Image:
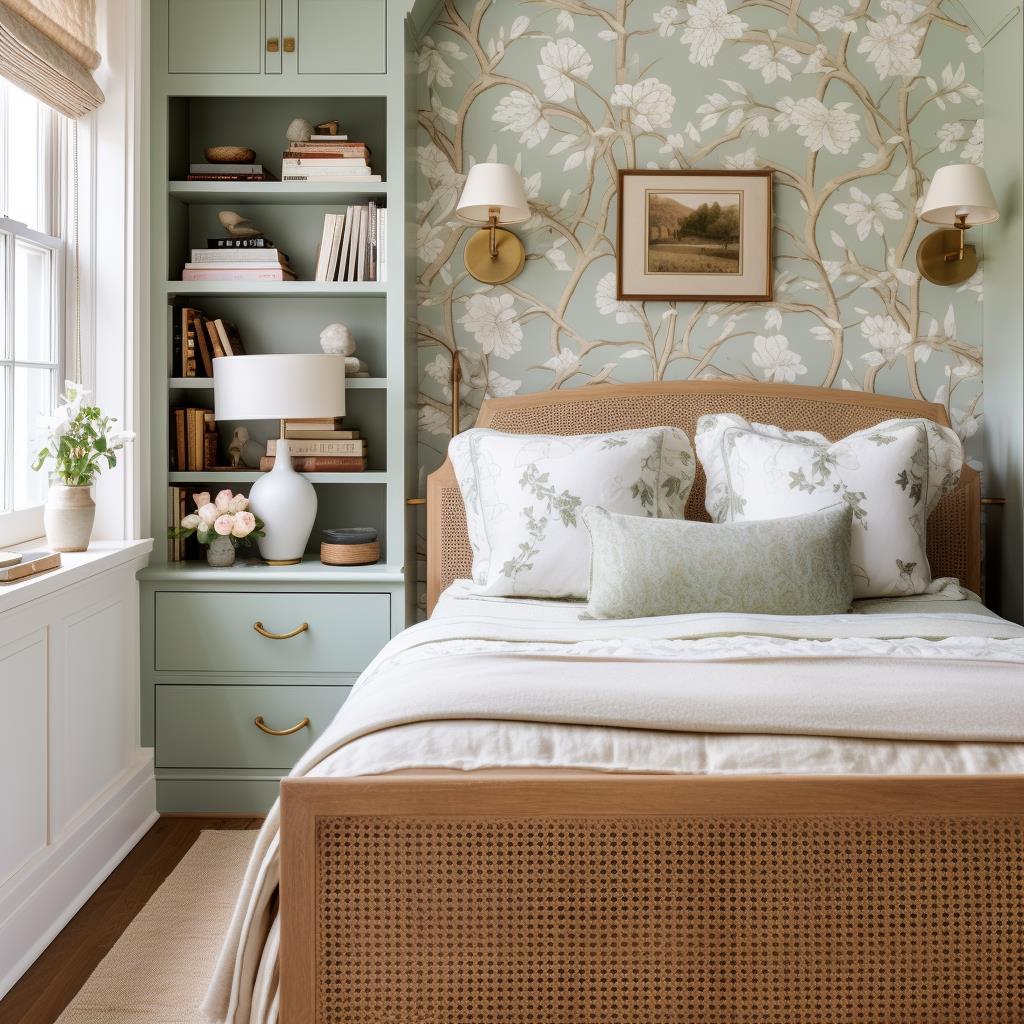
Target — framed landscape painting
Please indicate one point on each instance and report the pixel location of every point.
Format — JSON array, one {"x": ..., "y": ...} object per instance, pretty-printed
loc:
[{"x": 695, "y": 235}]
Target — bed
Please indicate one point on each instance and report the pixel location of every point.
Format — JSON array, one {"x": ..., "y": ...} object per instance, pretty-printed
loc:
[{"x": 526, "y": 818}]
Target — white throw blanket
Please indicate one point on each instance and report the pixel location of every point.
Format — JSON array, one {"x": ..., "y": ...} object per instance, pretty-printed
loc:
[{"x": 922, "y": 677}]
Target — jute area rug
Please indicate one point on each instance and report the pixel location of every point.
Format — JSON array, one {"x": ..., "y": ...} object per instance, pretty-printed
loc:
[{"x": 158, "y": 970}]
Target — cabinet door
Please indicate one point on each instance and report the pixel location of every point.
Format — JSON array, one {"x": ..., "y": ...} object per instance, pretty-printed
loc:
[
  {"x": 340, "y": 37},
  {"x": 215, "y": 37}
]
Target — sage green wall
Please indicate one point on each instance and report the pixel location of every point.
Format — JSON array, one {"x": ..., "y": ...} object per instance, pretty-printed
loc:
[
  {"x": 1002, "y": 29},
  {"x": 853, "y": 105}
]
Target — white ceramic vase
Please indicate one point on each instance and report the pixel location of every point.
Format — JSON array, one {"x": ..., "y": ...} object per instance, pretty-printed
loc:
[
  {"x": 220, "y": 552},
  {"x": 68, "y": 517},
  {"x": 286, "y": 502}
]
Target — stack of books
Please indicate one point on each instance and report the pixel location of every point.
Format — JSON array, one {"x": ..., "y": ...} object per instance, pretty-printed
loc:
[
  {"x": 320, "y": 446},
  {"x": 237, "y": 263},
  {"x": 179, "y": 505},
  {"x": 228, "y": 172},
  {"x": 327, "y": 158},
  {"x": 197, "y": 340},
  {"x": 352, "y": 246},
  {"x": 194, "y": 443}
]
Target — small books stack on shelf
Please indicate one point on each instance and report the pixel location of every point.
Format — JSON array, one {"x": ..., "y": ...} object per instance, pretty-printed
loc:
[
  {"x": 197, "y": 340},
  {"x": 320, "y": 446},
  {"x": 227, "y": 172},
  {"x": 352, "y": 246},
  {"x": 179, "y": 505},
  {"x": 194, "y": 442},
  {"x": 237, "y": 263},
  {"x": 327, "y": 158}
]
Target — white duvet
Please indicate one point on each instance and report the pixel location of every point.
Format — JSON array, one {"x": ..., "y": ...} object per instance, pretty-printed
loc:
[{"x": 929, "y": 686}]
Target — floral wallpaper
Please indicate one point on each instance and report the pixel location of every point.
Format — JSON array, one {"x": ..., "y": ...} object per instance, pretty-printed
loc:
[{"x": 853, "y": 105}]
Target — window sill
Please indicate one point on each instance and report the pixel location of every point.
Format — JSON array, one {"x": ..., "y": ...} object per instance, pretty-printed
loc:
[{"x": 75, "y": 567}]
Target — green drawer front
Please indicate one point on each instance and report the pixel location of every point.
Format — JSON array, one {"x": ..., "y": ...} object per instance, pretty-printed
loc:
[
  {"x": 214, "y": 726},
  {"x": 214, "y": 632}
]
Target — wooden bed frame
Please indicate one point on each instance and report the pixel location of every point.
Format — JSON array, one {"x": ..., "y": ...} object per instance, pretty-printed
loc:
[{"x": 567, "y": 897}]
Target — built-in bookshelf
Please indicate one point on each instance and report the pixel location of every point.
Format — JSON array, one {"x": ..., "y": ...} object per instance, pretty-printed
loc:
[{"x": 192, "y": 111}]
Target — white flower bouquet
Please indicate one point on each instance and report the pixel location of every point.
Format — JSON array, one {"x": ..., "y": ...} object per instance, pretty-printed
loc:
[{"x": 227, "y": 515}]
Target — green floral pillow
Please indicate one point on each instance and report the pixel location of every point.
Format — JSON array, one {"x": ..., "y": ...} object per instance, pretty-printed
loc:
[
  {"x": 890, "y": 476},
  {"x": 794, "y": 566},
  {"x": 524, "y": 493}
]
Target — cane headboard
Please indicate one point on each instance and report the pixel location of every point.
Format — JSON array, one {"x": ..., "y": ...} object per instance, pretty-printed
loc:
[{"x": 954, "y": 528}]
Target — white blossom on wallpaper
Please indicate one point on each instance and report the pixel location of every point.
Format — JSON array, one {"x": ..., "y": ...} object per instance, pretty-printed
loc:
[{"x": 852, "y": 104}]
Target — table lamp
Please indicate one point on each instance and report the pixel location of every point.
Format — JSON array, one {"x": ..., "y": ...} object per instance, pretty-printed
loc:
[
  {"x": 280, "y": 387},
  {"x": 960, "y": 197}
]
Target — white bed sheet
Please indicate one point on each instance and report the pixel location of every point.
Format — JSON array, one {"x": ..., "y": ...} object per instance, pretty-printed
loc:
[{"x": 473, "y": 745}]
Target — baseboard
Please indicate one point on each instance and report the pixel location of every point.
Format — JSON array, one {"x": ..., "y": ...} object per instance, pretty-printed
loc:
[
  {"x": 250, "y": 797},
  {"x": 42, "y": 898}
]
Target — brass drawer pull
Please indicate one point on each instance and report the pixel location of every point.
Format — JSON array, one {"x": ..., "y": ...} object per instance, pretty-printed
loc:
[
  {"x": 259, "y": 722},
  {"x": 289, "y": 44},
  {"x": 258, "y": 626},
  {"x": 272, "y": 45}
]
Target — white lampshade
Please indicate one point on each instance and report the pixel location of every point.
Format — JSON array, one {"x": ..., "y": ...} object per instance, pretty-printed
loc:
[
  {"x": 959, "y": 189},
  {"x": 279, "y": 387},
  {"x": 493, "y": 186}
]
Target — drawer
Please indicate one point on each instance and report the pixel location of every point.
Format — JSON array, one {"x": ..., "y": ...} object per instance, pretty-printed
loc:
[
  {"x": 215, "y": 632},
  {"x": 214, "y": 726}
]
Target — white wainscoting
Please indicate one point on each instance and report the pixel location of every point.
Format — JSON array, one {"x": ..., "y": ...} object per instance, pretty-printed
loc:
[{"x": 77, "y": 789}]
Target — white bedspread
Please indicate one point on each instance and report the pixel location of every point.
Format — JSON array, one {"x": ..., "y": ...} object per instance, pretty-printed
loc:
[{"x": 482, "y": 687}]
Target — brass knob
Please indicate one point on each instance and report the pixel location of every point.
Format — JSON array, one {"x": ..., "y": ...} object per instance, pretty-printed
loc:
[
  {"x": 289, "y": 44},
  {"x": 273, "y": 45}
]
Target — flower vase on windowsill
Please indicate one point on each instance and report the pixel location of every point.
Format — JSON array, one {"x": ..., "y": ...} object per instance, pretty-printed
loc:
[
  {"x": 220, "y": 525},
  {"x": 79, "y": 441}
]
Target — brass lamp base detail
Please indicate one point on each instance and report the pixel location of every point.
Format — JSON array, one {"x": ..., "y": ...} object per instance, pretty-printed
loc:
[
  {"x": 282, "y": 561},
  {"x": 509, "y": 260},
  {"x": 940, "y": 260}
]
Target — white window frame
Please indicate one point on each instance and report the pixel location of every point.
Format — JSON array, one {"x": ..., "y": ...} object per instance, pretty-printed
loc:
[{"x": 26, "y": 523}]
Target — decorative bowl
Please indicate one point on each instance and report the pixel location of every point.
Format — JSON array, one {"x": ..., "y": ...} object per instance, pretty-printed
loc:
[{"x": 229, "y": 155}]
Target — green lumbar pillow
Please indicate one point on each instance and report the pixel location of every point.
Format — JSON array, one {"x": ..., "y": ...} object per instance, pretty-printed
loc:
[{"x": 794, "y": 566}]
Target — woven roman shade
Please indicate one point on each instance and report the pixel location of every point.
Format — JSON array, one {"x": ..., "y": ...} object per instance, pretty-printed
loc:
[{"x": 48, "y": 49}]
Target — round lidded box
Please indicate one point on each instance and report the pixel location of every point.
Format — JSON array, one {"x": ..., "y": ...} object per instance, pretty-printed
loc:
[{"x": 353, "y": 545}]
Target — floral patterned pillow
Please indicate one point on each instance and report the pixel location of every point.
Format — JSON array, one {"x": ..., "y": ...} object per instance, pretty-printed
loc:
[
  {"x": 524, "y": 495},
  {"x": 891, "y": 476}
]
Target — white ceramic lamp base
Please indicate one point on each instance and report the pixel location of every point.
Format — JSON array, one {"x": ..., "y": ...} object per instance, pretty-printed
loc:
[{"x": 286, "y": 502}]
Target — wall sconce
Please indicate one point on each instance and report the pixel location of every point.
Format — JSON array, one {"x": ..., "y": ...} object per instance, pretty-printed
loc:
[
  {"x": 493, "y": 195},
  {"x": 961, "y": 196}
]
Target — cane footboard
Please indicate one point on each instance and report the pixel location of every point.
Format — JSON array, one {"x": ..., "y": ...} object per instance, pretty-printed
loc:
[{"x": 570, "y": 898}]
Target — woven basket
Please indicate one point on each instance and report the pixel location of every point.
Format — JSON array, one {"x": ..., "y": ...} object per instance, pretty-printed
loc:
[{"x": 355, "y": 546}]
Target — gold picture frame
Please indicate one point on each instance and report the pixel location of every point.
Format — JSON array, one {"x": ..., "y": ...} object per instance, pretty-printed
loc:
[{"x": 694, "y": 236}]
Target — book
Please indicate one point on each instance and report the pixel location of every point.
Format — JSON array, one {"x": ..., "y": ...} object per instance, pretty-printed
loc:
[
  {"x": 240, "y": 274},
  {"x": 246, "y": 256},
  {"x": 336, "y": 235},
  {"x": 225, "y": 168},
  {"x": 300, "y": 434},
  {"x": 302, "y": 448},
  {"x": 227, "y": 177},
  {"x": 203, "y": 343},
  {"x": 239, "y": 243},
  {"x": 328, "y": 138},
  {"x": 316, "y": 423},
  {"x": 357, "y": 149},
  {"x": 320, "y": 463},
  {"x": 364, "y": 221},
  {"x": 31, "y": 564},
  {"x": 337, "y": 160},
  {"x": 230, "y": 339},
  {"x": 323, "y": 254},
  {"x": 240, "y": 265}
]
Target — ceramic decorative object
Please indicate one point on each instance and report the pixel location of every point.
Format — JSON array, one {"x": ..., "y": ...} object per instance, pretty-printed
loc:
[
  {"x": 220, "y": 552},
  {"x": 337, "y": 340},
  {"x": 300, "y": 130},
  {"x": 230, "y": 155},
  {"x": 68, "y": 516},
  {"x": 244, "y": 451},
  {"x": 327, "y": 128},
  {"x": 238, "y": 226},
  {"x": 286, "y": 500}
]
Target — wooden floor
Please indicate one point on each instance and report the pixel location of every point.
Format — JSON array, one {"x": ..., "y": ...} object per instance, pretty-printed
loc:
[{"x": 51, "y": 982}]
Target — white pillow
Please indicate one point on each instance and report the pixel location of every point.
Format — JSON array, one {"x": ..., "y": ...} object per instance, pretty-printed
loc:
[
  {"x": 891, "y": 476},
  {"x": 524, "y": 494}
]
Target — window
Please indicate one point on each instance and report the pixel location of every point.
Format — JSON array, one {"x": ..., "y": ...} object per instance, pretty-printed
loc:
[{"x": 31, "y": 300}]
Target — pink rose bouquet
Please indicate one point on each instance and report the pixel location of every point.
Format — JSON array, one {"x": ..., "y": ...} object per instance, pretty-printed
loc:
[{"x": 226, "y": 515}]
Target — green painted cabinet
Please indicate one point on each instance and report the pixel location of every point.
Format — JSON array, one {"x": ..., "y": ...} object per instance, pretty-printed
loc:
[
  {"x": 216, "y": 36},
  {"x": 276, "y": 37}
]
